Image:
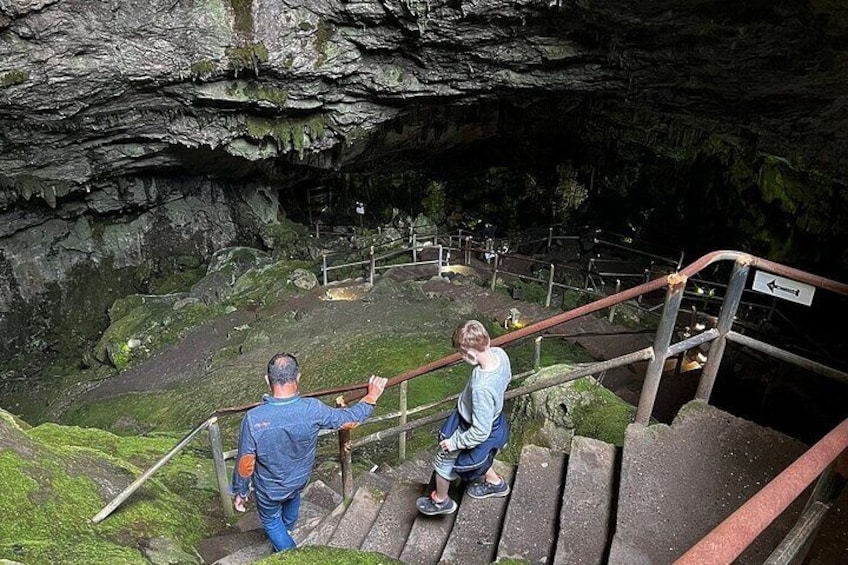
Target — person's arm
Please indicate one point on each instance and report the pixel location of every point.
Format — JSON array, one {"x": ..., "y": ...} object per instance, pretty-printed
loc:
[
  {"x": 482, "y": 418},
  {"x": 245, "y": 463},
  {"x": 335, "y": 418}
]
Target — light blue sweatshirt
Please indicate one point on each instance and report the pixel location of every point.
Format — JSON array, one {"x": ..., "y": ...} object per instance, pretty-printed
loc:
[{"x": 482, "y": 401}]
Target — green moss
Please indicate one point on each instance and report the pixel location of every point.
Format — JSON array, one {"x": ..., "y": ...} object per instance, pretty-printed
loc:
[
  {"x": 178, "y": 281},
  {"x": 289, "y": 134},
  {"x": 435, "y": 203},
  {"x": 266, "y": 284},
  {"x": 13, "y": 77},
  {"x": 243, "y": 17},
  {"x": 323, "y": 33},
  {"x": 604, "y": 417},
  {"x": 323, "y": 555},
  {"x": 193, "y": 463},
  {"x": 246, "y": 58},
  {"x": 778, "y": 184},
  {"x": 203, "y": 69},
  {"x": 276, "y": 96},
  {"x": 48, "y": 498},
  {"x": 154, "y": 323}
]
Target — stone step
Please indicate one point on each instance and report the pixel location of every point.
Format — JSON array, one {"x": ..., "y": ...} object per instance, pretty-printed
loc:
[
  {"x": 475, "y": 534},
  {"x": 428, "y": 536},
  {"x": 319, "y": 493},
  {"x": 679, "y": 482},
  {"x": 529, "y": 530},
  {"x": 310, "y": 516},
  {"x": 255, "y": 545},
  {"x": 248, "y": 554},
  {"x": 358, "y": 518},
  {"x": 587, "y": 503},
  {"x": 416, "y": 470},
  {"x": 214, "y": 548},
  {"x": 391, "y": 528},
  {"x": 324, "y": 531},
  {"x": 380, "y": 482}
]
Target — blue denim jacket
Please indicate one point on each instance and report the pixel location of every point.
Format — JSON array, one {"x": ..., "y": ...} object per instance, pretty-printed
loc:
[{"x": 277, "y": 443}]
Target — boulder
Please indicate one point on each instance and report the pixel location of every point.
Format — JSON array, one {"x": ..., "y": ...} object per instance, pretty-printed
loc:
[{"x": 303, "y": 279}]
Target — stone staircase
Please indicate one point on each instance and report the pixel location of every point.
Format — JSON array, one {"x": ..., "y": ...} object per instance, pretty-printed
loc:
[{"x": 647, "y": 503}]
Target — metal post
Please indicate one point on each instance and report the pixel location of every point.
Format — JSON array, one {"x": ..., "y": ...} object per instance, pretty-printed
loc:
[
  {"x": 411, "y": 233},
  {"x": 414, "y": 248},
  {"x": 345, "y": 457},
  {"x": 324, "y": 267},
  {"x": 495, "y": 272},
  {"x": 404, "y": 390},
  {"x": 647, "y": 278},
  {"x": 614, "y": 306},
  {"x": 346, "y": 460},
  {"x": 440, "y": 259},
  {"x": 653, "y": 374},
  {"x": 220, "y": 466},
  {"x": 550, "y": 237},
  {"x": 317, "y": 230},
  {"x": 725, "y": 322},
  {"x": 550, "y": 286},
  {"x": 589, "y": 272},
  {"x": 537, "y": 353},
  {"x": 373, "y": 267},
  {"x": 468, "y": 250}
]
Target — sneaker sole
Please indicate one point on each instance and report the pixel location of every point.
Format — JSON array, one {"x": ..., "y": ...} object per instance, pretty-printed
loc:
[{"x": 490, "y": 495}]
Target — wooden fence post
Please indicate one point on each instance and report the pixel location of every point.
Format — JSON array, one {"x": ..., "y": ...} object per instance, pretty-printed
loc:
[{"x": 550, "y": 287}]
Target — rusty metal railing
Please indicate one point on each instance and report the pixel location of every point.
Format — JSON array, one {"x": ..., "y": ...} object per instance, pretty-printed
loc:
[
  {"x": 730, "y": 538},
  {"x": 661, "y": 350}
]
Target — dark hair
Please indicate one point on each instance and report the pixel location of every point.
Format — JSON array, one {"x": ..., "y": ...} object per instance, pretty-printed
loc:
[{"x": 282, "y": 368}]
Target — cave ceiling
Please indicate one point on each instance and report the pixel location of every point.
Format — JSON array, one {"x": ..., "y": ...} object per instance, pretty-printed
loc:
[{"x": 95, "y": 91}]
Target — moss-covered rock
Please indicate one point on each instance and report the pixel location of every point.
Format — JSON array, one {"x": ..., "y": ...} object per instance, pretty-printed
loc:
[
  {"x": 56, "y": 479},
  {"x": 582, "y": 407},
  {"x": 323, "y": 555},
  {"x": 13, "y": 77},
  {"x": 139, "y": 331}
]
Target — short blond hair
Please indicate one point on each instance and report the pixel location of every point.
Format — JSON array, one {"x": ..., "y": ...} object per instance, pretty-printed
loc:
[{"x": 471, "y": 335}]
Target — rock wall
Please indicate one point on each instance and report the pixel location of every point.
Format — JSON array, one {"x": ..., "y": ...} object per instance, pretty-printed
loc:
[{"x": 63, "y": 268}]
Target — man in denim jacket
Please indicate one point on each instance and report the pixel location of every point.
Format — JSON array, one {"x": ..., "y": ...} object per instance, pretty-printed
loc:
[{"x": 277, "y": 446}]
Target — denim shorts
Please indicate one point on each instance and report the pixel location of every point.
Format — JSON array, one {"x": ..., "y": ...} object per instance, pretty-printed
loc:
[{"x": 444, "y": 462}]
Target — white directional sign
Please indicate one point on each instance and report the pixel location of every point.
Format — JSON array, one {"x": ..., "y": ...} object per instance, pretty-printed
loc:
[{"x": 784, "y": 288}]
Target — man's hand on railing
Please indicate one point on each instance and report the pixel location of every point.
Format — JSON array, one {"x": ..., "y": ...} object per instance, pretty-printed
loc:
[{"x": 376, "y": 386}]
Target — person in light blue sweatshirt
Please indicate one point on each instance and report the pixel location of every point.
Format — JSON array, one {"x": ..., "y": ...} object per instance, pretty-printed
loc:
[
  {"x": 476, "y": 429},
  {"x": 277, "y": 445}
]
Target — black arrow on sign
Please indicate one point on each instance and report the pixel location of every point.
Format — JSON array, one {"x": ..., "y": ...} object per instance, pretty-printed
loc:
[{"x": 774, "y": 286}]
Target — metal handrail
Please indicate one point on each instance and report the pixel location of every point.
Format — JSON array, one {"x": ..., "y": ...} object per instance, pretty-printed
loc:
[
  {"x": 730, "y": 538},
  {"x": 659, "y": 352}
]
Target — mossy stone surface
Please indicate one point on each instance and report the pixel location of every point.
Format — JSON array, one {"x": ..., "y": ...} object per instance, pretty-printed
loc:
[
  {"x": 581, "y": 407},
  {"x": 324, "y": 555},
  {"x": 54, "y": 482}
]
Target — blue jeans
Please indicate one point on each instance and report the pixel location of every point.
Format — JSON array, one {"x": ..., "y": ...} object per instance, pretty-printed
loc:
[{"x": 278, "y": 518}]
